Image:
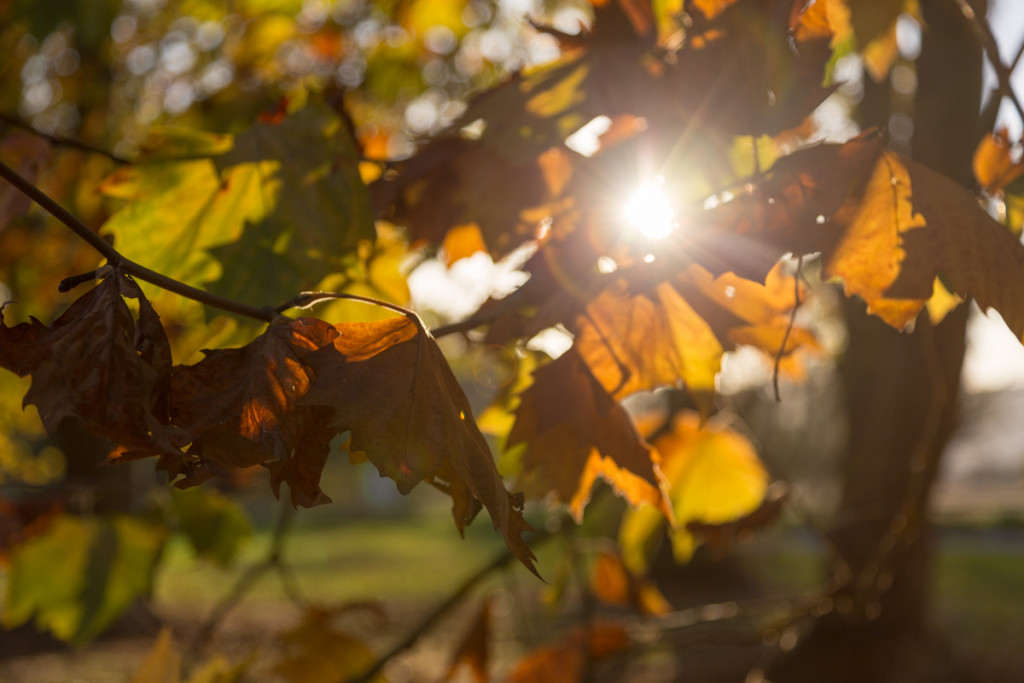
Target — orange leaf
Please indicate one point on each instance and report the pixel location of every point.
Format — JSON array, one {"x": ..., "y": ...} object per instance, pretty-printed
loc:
[
  {"x": 884, "y": 224},
  {"x": 993, "y": 166},
  {"x": 462, "y": 241},
  {"x": 574, "y": 432},
  {"x": 96, "y": 363},
  {"x": 637, "y": 343},
  {"x": 389, "y": 384}
]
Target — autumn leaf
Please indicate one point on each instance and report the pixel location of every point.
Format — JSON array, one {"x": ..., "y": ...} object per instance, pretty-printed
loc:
[
  {"x": 99, "y": 364},
  {"x": 614, "y": 584},
  {"x": 647, "y": 340},
  {"x": 994, "y": 167},
  {"x": 713, "y": 476},
  {"x": 390, "y": 386},
  {"x": 162, "y": 663},
  {"x": 239, "y": 408},
  {"x": 214, "y": 525},
  {"x": 575, "y": 432},
  {"x": 885, "y": 225}
]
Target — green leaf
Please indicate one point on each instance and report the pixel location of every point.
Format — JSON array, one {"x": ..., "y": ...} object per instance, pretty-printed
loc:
[
  {"x": 213, "y": 523},
  {"x": 316, "y": 207},
  {"x": 272, "y": 216},
  {"x": 82, "y": 574}
]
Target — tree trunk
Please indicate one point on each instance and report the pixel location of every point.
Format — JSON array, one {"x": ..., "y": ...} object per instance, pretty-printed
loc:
[{"x": 901, "y": 397}]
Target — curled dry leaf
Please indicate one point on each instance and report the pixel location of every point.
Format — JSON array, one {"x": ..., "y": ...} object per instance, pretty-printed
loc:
[
  {"x": 575, "y": 432},
  {"x": 239, "y": 408},
  {"x": 99, "y": 364}
]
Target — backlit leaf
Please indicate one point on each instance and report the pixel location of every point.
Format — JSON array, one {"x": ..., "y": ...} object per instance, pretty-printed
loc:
[
  {"x": 575, "y": 432},
  {"x": 214, "y": 524},
  {"x": 271, "y": 216},
  {"x": 640, "y": 342},
  {"x": 994, "y": 166},
  {"x": 884, "y": 224},
  {"x": 566, "y": 660}
]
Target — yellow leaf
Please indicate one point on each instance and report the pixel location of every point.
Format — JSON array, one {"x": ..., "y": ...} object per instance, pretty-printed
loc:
[{"x": 713, "y": 476}]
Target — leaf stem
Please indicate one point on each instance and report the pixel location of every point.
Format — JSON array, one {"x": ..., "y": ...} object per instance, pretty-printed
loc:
[
  {"x": 247, "y": 580},
  {"x": 116, "y": 260},
  {"x": 789, "y": 327},
  {"x": 308, "y": 299}
]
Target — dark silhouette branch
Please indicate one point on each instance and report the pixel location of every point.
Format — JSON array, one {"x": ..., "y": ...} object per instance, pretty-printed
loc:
[
  {"x": 60, "y": 140},
  {"x": 116, "y": 260},
  {"x": 789, "y": 328},
  {"x": 273, "y": 560},
  {"x": 983, "y": 33}
]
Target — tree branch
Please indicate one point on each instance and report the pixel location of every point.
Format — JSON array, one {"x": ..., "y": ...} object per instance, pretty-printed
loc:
[
  {"x": 118, "y": 261},
  {"x": 983, "y": 33},
  {"x": 60, "y": 140},
  {"x": 248, "y": 579}
]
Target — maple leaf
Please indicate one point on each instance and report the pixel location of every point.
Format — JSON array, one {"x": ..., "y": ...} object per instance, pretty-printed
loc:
[
  {"x": 389, "y": 385},
  {"x": 575, "y": 432},
  {"x": 239, "y": 408},
  {"x": 885, "y": 225},
  {"x": 98, "y": 364},
  {"x": 260, "y": 215}
]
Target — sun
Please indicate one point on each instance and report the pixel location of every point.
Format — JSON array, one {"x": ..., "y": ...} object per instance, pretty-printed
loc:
[{"x": 649, "y": 210}]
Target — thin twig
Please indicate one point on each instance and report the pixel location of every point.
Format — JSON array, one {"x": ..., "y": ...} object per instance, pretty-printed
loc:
[
  {"x": 60, "y": 140},
  {"x": 308, "y": 299},
  {"x": 789, "y": 328},
  {"x": 983, "y": 33},
  {"x": 118, "y": 261},
  {"x": 248, "y": 579},
  {"x": 435, "y": 614},
  {"x": 461, "y": 591}
]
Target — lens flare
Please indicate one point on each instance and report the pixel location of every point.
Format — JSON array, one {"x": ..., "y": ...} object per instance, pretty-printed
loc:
[{"x": 649, "y": 210}]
